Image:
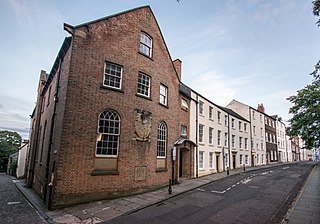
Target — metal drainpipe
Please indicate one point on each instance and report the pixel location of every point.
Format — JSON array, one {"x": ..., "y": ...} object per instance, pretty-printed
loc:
[
  {"x": 197, "y": 115},
  {"x": 51, "y": 133},
  {"x": 229, "y": 150}
]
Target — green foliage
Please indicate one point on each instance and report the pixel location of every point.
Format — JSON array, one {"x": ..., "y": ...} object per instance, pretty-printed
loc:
[
  {"x": 9, "y": 143},
  {"x": 316, "y": 72},
  {"x": 306, "y": 115}
]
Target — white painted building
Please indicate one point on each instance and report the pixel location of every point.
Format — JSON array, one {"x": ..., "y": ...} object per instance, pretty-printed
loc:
[
  {"x": 240, "y": 147},
  {"x": 281, "y": 140},
  {"x": 209, "y": 130},
  {"x": 221, "y": 135},
  {"x": 22, "y": 156},
  {"x": 257, "y": 130},
  {"x": 289, "y": 149}
]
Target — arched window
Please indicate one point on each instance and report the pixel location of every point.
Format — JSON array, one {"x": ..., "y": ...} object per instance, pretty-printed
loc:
[
  {"x": 162, "y": 140},
  {"x": 145, "y": 44},
  {"x": 108, "y": 134}
]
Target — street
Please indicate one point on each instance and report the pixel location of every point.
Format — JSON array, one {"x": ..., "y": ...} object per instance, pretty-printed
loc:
[
  {"x": 14, "y": 208},
  {"x": 260, "y": 196}
]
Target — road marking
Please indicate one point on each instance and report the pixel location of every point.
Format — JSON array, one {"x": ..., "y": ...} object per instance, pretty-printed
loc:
[
  {"x": 13, "y": 202},
  {"x": 219, "y": 192},
  {"x": 233, "y": 185},
  {"x": 246, "y": 181},
  {"x": 287, "y": 167},
  {"x": 238, "y": 183},
  {"x": 228, "y": 188},
  {"x": 200, "y": 189}
]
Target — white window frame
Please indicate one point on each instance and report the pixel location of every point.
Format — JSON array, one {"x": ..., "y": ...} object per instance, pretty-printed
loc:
[
  {"x": 162, "y": 140},
  {"x": 201, "y": 127},
  {"x": 107, "y": 134},
  {"x": 210, "y": 112},
  {"x": 144, "y": 84},
  {"x": 210, "y": 159},
  {"x": 201, "y": 159},
  {"x": 163, "y": 95},
  {"x": 183, "y": 130},
  {"x": 210, "y": 135},
  {"x": 219, "y": 137},
  {"x": 201, "y": 107},
  {"x": 225, "y": 139},
  {"x": 145, "y": 44},
  {"x": 233, "y": 141},
  {"x": 112, "y": 74}
]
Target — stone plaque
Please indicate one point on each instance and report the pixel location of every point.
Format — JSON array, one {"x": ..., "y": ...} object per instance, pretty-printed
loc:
[{"x": 140, "y": 173}]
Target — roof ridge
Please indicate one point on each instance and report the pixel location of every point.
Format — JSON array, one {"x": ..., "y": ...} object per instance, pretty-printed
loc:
[{"x": 113, "y": 15}]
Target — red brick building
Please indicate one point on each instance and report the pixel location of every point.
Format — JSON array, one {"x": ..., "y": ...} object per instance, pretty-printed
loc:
[{"x": 109, "y": 113}]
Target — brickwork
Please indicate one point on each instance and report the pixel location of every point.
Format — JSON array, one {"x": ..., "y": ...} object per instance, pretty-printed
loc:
[{"x": 82, "y": 97}]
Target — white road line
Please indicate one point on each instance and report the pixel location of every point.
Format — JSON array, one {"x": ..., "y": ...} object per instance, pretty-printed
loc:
[
  {"x": 238, "y": 183},
  {"x": 200, "y": 189},
  {"x": 228, "y": 188},
  {"x": 219, "y": 192},
  {"x": 246, "y": 181},
  {"x": 13, "y": 202},
  {"x": 233, "y": 185}
]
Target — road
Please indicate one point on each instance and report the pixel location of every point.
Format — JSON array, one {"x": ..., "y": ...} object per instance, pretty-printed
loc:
[
  {"x": 14, "y": 208},
  {"x": 260, "y": 196}
]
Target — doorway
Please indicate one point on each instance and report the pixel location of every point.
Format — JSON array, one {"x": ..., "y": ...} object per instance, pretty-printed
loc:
[
  {"x": 252, "y": 160},
  {"x": 234, "y": 161},
  {"x": 217, "y": 163}
]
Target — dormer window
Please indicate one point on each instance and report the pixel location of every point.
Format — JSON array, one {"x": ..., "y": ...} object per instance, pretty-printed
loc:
[{"x": 145, "y": 45}]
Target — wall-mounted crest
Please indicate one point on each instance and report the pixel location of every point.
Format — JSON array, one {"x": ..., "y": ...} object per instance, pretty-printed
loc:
[{"x": 142, "y": 125}]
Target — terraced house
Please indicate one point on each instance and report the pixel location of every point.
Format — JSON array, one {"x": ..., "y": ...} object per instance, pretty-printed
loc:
[{"x": 257, "y": 130}]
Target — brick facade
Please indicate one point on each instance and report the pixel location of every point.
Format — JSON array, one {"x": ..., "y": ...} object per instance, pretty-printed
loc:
[{"x": 64, "y": 168}]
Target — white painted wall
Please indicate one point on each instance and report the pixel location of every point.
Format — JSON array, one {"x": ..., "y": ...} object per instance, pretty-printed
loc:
[
  {"x": 22, "y": 161},
  {"x": 257, "y": 132}
]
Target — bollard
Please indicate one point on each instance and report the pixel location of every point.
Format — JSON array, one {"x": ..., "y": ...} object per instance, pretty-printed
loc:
[
  {"x": 244, "y": 167},
  {"x": 170, "y": 188},
  {"x": 227, "y": 170}
]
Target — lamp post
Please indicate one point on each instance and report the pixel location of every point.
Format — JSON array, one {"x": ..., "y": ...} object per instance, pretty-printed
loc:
[{"x": 173, "y": 158}]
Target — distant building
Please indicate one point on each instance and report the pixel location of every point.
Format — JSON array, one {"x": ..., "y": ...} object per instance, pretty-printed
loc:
[
  {"x": 281, "y": 140},
  {"x": 22, "y": 157},
  {"x": 12, "y": 164},
  {"x": 257, "y": 130}
]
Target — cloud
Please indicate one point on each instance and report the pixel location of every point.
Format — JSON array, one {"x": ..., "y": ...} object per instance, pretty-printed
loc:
[{"x": 14, "y": 114}]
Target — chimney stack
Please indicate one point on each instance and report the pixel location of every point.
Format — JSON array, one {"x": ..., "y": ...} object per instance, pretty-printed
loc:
[
  {"x": 177, "y": 65},
  {"x": 261, "y": 108}
]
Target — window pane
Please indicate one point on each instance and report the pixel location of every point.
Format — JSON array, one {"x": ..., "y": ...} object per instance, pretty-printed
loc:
[
  {"x": 112, "y": 75},
  {"x": 143, "y": 85},
  {"x": 109, "y": 131},
  {"x": 145, "y": 44},
  {"x": 162, "y": 138}
]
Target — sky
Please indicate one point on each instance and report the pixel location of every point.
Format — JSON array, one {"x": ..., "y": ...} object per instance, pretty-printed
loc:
[{"x": 254, "y": 51}]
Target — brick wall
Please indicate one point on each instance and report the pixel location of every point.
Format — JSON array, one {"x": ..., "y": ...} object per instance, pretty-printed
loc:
[{"x": 115, "y": 39}]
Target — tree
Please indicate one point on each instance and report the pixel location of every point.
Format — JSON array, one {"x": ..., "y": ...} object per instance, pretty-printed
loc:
[
  {"x": 306, "y": 115},
  {"x": 316, "y": 72},
  {"x": 306, "y": 110},
  {"x": 9, "y": 143}
]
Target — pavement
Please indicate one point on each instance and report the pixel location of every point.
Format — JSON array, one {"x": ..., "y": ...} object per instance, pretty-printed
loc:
[{"x": 306, "y": 208}]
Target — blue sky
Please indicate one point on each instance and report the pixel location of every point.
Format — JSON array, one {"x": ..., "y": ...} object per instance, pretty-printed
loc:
[{"x": 255, "y": 51}]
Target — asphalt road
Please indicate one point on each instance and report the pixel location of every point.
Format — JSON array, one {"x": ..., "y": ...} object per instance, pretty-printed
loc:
[
  {"x": 14, "y": 208},
  {"x": 261, "y": 196}
]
